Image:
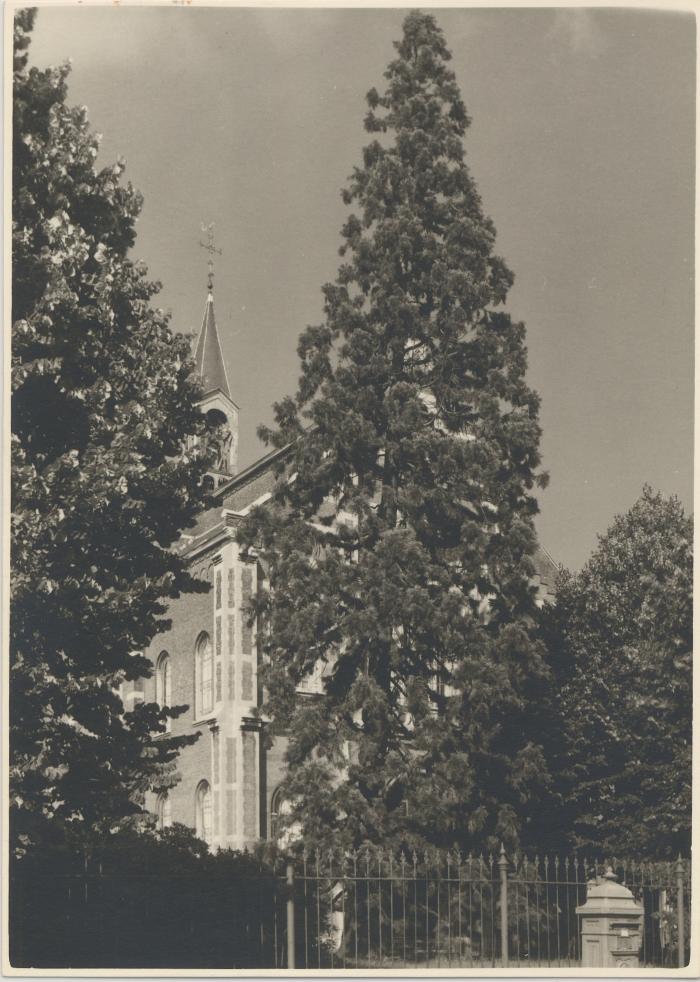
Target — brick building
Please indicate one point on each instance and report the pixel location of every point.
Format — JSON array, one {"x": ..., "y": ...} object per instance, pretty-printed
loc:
[{"x": 208, "y": 660}]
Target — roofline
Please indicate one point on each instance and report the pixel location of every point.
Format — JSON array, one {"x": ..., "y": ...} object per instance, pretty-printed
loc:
[
  {"x": 251, "y": 470},
  {"x": 212, "y": 539},
  {"x": 549, "y": 556}
]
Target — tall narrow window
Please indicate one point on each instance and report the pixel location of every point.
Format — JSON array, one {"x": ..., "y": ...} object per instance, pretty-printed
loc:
[
  {"x": 204, "y": 675},
  {"x": 163, "y": 682},
  {"x": 203, "y": 811},
  {"x": 164, "y": 811},
  {"x": 283, "y": 831},
  {"x": 275, "y": 805}
]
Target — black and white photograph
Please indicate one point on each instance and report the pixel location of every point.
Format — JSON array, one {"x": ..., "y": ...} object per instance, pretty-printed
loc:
[{"x": 349, "y": 431}]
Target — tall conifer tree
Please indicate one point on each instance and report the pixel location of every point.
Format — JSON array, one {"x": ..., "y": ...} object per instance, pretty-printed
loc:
[
  {"x": 399, "y": 542},
  {"x": 103, "y": 399}
]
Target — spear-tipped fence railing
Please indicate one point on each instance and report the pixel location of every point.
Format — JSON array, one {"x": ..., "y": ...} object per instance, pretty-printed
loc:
[
  {"x": 368, "y": 909},
  {"x": 374, "y": 910}
]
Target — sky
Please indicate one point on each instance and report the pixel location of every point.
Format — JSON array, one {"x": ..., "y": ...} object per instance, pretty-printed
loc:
[{"x": 582, "y": 147}]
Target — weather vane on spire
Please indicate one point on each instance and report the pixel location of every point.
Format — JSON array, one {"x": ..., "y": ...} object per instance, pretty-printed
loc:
[{"x": 209, "y": 246}]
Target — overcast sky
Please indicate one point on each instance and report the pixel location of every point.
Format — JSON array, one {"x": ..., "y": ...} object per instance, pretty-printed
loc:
[{"x": 582, "y": 147}]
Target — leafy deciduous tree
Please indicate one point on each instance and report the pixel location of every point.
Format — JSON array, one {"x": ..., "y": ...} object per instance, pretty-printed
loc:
[
  {"x": 103, "y": 399},
  {"x": 620, "y": 637}
]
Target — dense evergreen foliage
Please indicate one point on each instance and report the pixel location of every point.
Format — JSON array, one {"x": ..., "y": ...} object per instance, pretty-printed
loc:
[
  {"x": 399, "y": 541},
  {"x": 103, "y": 400},
  {"x": 620, "y": 637}
]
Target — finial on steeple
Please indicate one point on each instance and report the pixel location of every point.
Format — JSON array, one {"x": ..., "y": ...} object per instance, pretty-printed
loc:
[
  {"x": 208, "y": 355},
  {"x": 209, "y": 246}
]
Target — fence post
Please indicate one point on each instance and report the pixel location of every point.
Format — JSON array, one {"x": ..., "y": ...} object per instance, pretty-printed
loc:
[
  {"x": 290, "y": 916},
  {"x": 503, "y": 868},
  {"x": 680, "y": 906}
]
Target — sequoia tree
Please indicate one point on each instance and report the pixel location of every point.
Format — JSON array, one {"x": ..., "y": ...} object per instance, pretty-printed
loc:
[
  {"x": 398, "y": 542},
  {"x": 103, "y": 400},
  {"x": 620, "y": 637}
]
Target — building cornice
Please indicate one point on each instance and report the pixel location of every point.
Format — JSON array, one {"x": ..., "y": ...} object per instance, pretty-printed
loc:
[
  {"x": 247, "y": 475},
  {"x": 212, "y": 539}
]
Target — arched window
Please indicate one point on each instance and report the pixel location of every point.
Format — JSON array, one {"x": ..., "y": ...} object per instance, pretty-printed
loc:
[
  {"x": 163, "y": 682},
  {"x": 216, "y": 418},
  {"x": 204, "y": 675},
  {"x": 275, "y": 805},
  {"x": 202, "y": 811},
  {"x": 164, "y": 811},
  {"x": 220, "y": 440}
]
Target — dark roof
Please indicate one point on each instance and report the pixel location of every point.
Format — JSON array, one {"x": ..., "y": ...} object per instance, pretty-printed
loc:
[
  {"x": 547, "y": 570},
  {"x": 208, "y": 356},
  {"x": 258, "y": 466}
]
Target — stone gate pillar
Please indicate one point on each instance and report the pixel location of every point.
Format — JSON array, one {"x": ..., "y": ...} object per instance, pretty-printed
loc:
[{"x": 611, "y": 925}]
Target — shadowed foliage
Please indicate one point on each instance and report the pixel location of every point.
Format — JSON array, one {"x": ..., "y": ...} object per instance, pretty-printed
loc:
[
  {"x": 620, "y": 638},
  {"x": 103, "y": 404}
]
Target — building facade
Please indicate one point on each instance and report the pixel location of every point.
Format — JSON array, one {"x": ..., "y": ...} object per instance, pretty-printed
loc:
[{"x": 208, "y": 660}]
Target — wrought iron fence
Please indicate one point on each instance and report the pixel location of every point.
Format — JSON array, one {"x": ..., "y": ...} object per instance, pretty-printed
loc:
[
  {"x": 364, "y": 910},
  {"x": 373, "y": 910},
  {"x": 368, "y": 910}
]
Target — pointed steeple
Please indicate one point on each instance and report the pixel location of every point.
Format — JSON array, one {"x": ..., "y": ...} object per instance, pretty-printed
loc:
[
  {"x": 208, "y": 355},
  {"x": 216, "y": 402}
]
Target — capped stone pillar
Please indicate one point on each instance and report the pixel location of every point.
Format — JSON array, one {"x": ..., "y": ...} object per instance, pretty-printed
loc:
[{"x": 611, "y": 925}]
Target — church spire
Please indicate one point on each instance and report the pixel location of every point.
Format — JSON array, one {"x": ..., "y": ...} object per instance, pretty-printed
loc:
[
  {"x": 216, "y": 402},
  {"x": 208, "y": 356}
]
